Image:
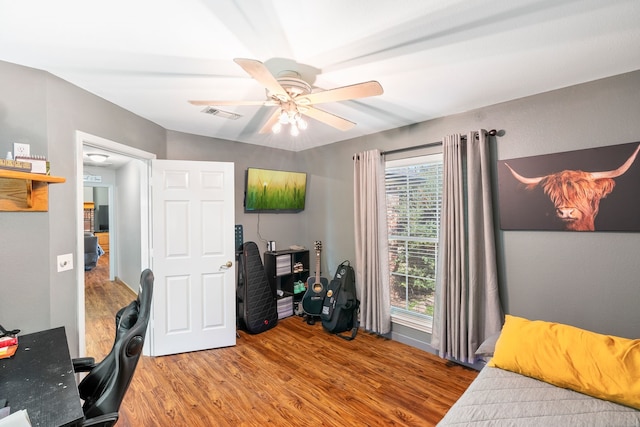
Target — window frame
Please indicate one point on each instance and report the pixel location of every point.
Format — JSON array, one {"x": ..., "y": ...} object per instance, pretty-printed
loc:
[{"x": 417, "y": 321}]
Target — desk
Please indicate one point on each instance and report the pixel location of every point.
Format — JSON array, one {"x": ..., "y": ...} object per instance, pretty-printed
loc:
[{"x": 40, "y": 379}]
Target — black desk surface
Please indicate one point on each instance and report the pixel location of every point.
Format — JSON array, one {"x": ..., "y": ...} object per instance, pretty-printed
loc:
[{"x": 40, "y": 379}]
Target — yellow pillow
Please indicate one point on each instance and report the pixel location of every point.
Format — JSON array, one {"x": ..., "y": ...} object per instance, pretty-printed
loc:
[{"x": 601, "y": 366}]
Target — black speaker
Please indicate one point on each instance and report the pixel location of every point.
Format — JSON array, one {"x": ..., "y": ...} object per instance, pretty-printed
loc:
[{"x": 239, "y": 238}]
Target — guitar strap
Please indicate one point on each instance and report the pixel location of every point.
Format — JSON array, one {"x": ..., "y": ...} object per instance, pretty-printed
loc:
[{"x": 356, "y": 324}]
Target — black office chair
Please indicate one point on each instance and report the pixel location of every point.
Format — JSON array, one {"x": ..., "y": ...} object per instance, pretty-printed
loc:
[
  {"x": 107, "y": 382},
  {"x": 91, "y": 253}
]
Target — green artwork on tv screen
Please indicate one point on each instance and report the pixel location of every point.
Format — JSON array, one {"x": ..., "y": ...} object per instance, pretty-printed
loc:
[{"x": 274, "y": 191}]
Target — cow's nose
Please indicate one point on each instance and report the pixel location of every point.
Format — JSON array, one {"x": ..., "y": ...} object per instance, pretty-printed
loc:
[{"x": 565, "y": 212}]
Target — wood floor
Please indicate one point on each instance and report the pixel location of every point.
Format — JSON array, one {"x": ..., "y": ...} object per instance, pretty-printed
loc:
[{"x": 292, "y": 375}]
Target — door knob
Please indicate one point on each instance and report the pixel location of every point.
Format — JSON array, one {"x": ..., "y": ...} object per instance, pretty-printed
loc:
[{"x": 226, "y": 266}]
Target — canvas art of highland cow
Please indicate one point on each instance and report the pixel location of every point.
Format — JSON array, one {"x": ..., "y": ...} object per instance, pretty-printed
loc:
[{"x": 596, "y": 189}]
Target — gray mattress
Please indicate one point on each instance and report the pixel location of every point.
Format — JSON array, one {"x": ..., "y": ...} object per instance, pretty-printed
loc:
[{"x": 502, "y": 398}]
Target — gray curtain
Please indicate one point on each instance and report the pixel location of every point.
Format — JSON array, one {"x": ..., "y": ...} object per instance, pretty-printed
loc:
[
  {"x": 467, "y": 308},
  {"x": 372, "y": 247}
]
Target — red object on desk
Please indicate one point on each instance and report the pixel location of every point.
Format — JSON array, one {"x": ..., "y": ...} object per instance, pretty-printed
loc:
[
  {"x": 6, "y": 352},
  {"x": 8, "y": 341}
]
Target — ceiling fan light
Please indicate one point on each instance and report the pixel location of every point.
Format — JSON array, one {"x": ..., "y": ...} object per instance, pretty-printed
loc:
[
  {"x": 302, "y": 123},
  {"x": 276, "y": 128},
  {"x": 284, "y": 118},
  {"x": 294, "y": 130}
]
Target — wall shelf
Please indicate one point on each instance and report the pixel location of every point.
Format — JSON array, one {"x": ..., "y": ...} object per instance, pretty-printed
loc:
[{"x": 25, "y": 192}]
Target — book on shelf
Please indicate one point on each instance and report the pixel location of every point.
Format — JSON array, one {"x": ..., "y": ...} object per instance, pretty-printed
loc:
[
  {"x": 15, "y": 165},
  {"x": 38, "y": 164}
]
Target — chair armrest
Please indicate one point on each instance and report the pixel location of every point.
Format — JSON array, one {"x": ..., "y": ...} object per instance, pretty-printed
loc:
[
  {"x": 83, "y": 364},
  {"x": 105, "y": 420}
]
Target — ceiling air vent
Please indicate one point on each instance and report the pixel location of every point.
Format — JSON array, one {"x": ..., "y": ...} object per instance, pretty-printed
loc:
[{"x": 220, "y": 113}]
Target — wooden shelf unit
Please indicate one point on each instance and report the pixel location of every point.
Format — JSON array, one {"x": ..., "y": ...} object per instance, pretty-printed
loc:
[
  {"x": 89, "y": 217},
  {"x": 103, "y": 240},
  {"x": 283, "y": 277},
  {"x": 25, "y": 192}
]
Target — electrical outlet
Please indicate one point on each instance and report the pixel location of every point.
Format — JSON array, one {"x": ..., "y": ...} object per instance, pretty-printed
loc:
[
  {"x": 65, "y": 262},
  {"x": 21, "y": 150}
]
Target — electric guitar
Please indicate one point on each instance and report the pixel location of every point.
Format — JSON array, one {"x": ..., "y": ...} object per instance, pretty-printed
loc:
[{"x": 316, "y": 288}]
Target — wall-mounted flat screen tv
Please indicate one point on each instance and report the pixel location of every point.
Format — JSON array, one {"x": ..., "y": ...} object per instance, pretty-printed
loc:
[{"x": 274, "y": 191}]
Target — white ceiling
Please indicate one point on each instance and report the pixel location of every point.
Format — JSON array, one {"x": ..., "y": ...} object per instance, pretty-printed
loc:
[{"x": 432, "y": 57}]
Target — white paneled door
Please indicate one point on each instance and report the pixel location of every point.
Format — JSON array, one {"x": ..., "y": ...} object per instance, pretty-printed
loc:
[{"x": 193, "y": 256}]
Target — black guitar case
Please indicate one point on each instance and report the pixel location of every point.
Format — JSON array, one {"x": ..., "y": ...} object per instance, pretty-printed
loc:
[{"x": 257, "y": 305}]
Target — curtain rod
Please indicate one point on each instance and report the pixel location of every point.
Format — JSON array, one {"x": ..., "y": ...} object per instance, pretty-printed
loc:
[{"x": 492, "y": 132}]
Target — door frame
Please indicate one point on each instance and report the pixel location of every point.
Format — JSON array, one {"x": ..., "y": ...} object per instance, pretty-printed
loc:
[{"x": 82, "y": 139}]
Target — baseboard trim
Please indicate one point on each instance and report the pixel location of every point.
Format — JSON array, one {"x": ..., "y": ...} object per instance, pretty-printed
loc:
[{"x": 121, "y": 283}]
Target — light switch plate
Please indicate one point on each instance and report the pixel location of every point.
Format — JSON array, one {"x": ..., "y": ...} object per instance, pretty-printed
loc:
[
  {"x": 65, "y": 262},
  {"x": 21, "y": 150}
]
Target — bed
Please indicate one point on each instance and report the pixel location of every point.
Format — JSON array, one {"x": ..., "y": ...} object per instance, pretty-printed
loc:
[
  {"x": 499, "y": 397},
  {"x": 548, "y": 374}
]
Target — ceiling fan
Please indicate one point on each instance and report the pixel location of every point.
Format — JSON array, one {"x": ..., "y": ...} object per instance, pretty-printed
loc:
[{"x": 294, "y": 98}]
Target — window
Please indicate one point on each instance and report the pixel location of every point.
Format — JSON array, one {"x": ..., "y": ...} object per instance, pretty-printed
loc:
[{"x": 414, "y": 201}]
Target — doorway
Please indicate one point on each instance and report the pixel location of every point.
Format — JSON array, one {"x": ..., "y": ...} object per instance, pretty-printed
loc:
[
  {"x": 98, "y": 215},
  {"x": 202, "y": 292},
  {"x": 128, "y": 212}
]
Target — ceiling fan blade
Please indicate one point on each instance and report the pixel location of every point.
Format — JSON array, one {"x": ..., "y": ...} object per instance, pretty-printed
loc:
[
  {"x": 360, "y": 90},
  {"x": 328, "y": 118},
  {"x": 205, "y": 102},
  {"x": 258, "y": 71},
  {"x": 272, "y": 121}
]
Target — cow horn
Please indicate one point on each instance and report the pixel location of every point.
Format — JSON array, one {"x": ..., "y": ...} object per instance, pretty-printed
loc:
[
  {"x": 617, "y": 172},
  {"x": 522, "y": 179}
]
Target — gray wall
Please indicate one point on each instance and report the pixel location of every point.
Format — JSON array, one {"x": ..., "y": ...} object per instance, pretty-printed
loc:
[
  {"x": 70, "y": 109},
  {"x": 129, "y": 216},
  {"x": 287, "y": 228},
  {"x": 588, "y": 280},
  {"x": 45, "y": 112},
  {"x": 25, "y": 262}
]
